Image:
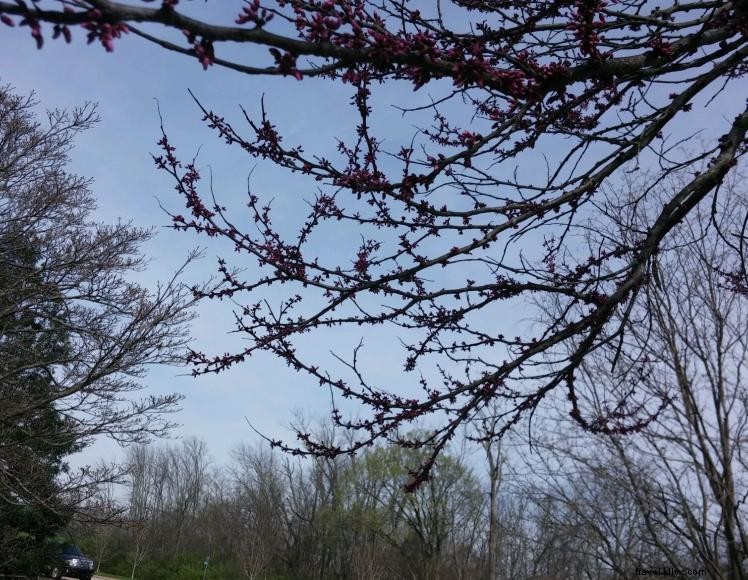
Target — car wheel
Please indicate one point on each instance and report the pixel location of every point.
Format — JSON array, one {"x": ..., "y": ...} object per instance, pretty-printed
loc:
[{"x": 56, "y": 574}]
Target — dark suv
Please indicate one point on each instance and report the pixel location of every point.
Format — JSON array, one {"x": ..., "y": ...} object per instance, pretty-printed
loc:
[{"x": 71, "y": 562}]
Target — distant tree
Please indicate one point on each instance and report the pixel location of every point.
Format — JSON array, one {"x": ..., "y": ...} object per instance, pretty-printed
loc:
[
  {"x": 688, "y": 472},
  {"x": 672, "y": 493},
  {"x": 257, "y": 512},
  {"x": 75, "y": 334},
  {"x": 97, "y": 535},
  {"x": 266, "y": 515},
  {"x": 495, "y": 459},
  {"x": 468, "y": 214},
  {"x": 433, "y": 532}
]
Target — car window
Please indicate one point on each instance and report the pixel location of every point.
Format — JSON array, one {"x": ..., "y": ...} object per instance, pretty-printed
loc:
[{"x": 71, "y": 550}]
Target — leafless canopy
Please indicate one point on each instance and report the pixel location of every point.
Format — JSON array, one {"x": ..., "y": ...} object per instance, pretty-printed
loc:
[
  {"x": 458, "y": 220},
  {"x": 71, "y": 320}
]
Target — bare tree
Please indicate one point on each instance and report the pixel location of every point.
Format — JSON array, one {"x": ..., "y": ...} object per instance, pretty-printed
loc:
[
  {"x": 265, "y": 515},
  {"x": 185, "y": 470},
  {"x": 485, "y": 427},
  {"x": 258, "y": 509},
  {"x": 100, "y": 528},
  {"x": 76, "y": 334},
  {"x": 143, "y": 504},
  {"x": 672, "y": 493}
]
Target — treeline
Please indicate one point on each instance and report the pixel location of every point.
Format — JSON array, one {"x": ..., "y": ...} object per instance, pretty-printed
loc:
[
  {"x": 269, "y": 516},
  {"x": 584, "y": 507}
]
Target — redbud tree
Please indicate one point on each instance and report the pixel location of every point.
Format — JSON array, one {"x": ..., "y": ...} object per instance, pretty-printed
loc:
[{"x": 451, "y": 224}]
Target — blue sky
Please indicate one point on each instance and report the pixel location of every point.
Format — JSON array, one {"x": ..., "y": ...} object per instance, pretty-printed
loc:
[
  {"x": 116, "y": 154},
  {"x": 127, "y": 85}
]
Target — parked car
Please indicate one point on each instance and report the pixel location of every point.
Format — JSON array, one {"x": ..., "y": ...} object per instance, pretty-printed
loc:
[{"x": 71, "y": 562}]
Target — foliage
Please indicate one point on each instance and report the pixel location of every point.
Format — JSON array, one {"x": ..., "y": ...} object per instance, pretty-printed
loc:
[{"x": 33, "y": 446}]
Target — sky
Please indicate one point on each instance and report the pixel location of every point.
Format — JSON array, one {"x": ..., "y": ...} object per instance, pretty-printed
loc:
[
  {"x": 127, "y": 85},
  {"x": 130, "y": 86}
]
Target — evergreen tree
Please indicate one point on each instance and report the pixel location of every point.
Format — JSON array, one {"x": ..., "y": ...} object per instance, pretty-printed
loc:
[{"x": 32, "y": 446}]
